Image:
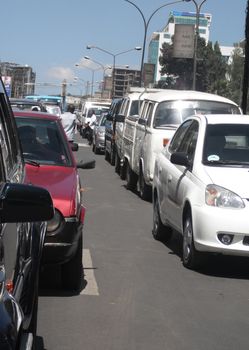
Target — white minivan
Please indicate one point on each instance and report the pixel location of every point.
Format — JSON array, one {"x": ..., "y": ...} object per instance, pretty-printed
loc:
[{"x": 160, "y": 114}]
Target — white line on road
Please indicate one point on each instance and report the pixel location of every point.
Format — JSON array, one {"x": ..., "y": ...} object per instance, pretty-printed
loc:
[{"x": 91, "y": 287}]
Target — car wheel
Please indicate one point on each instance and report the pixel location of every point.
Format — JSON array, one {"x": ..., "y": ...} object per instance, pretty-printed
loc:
[
  {"x": 72, "y": 271},
  {"x": 96, "y": 150},
  {"x": 123, "y": 170},
  {"x": 160, "y": 231},
  {"x": 107, "y": 156},
  {"x": 145, "y": 191},
  {"x": 112, "y": 156},
  {"x": 191, "y": 258},
  {"x": 131, "y": 178},
  {"x": 117, "y": 164}
]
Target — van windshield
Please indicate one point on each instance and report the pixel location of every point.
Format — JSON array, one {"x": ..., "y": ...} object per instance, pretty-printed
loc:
[{"x": 174, "y": 112}]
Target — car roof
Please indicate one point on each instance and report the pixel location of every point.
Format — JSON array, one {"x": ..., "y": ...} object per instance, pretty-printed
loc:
[
  {"x": 159, "y": 96},
  {"x": 222, "y": 118},
  {"x": 38, "y": 115}
]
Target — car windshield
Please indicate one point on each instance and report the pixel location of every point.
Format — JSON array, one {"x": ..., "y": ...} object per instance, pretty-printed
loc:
[
  {"x": 43, "y": 142},
  {"x": 174, "y": 112},
  {"x": 226, "y": 144}
]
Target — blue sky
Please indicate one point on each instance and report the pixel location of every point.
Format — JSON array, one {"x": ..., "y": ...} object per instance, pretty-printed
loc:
[{"x": 52, "y": 35}]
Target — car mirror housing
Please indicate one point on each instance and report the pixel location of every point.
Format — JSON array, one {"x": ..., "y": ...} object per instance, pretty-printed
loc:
[
  {"x": 74, "y": 146},
  {"x": 90, "y": 164},
  {"x": 25, "y": 203},
  {"x": 180, "y": 158},
  {"x": 109, "y": 117},
  {"x": 120, "y": 118}
]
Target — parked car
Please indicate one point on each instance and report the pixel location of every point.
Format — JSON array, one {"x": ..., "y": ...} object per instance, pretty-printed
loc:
[
  {"x": 110, "y": 130},
  {"x": 200, "y": 187},
  {"x": 160, "y": 114},
  {"x": 25, "y": 104},
  {"x": 98, "y": 144},
  {"x": 50, "y": 163},
  {"x": 23, "y": 212}
]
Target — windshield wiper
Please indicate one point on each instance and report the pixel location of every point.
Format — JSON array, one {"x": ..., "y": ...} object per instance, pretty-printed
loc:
[{"x": 32, "y": 162}]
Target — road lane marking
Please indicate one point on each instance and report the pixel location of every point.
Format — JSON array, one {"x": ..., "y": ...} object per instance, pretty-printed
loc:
[{"x": 91, "y": 287}]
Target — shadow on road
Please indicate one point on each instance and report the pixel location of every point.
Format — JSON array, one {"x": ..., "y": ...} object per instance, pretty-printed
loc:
[{"x": 215, "y": 265}]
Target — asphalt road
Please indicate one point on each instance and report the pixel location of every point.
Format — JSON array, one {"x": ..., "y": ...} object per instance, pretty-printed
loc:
[{"x": 137, "y": 295}]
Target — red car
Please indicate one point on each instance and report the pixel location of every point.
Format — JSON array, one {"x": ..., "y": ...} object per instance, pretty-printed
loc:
[{"x": 50, "y": 163}]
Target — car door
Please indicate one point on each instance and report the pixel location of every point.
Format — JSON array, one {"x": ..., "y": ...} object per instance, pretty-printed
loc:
[{"x": 179, "y": 177}]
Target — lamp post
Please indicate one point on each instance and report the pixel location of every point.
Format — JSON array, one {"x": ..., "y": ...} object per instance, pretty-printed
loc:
[
  {"x": 80, "y": 65},
  {"x": 198, "y": 10},
  {"x": 146, "y": 24},
  {"x": 114, "y": 55}
]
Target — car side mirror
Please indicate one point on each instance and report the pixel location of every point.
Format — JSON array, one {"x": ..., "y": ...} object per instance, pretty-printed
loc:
[
  {"x": 180, "y": 158},
  {"x": 90, "y": 164},
  {"x": 109, "y": 117},
  {"x": 25, "y": 203},
  {"x": 142, "y": 121},
  {"x": 120, "y": 118},
  {"x": 74, "y": 146}
]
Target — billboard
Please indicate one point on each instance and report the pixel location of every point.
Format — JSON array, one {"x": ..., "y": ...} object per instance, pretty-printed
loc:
[
  {"x": 7, "y": 83},
  {"x": 184, "y": 38}
]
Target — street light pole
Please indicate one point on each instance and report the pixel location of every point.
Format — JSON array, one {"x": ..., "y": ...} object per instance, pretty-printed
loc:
[
  {"x": 198, "y": 10},
  {"x": 146, "y": 24},
  {"x": 138, "y": 48}
]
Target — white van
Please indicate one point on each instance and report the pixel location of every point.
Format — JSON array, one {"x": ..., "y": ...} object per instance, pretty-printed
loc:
[{"x": 160, "y": 115}]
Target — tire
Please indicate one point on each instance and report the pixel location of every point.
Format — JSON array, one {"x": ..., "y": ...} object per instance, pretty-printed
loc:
[
  {"x": 117, "y": 164},
  {"x": 123, "y": 170},
  {"x": 96, "y": 150},
  {"x": 107, "y": 156},
  {"x": 72, "y": 271},
  {"x": 191, "y": 258},
  {"x": 131, "y": 178},
  {"x": 160, "y": 232},
  {"x": 112, "y": 156},
  {"x": 93, "y": 148},
  {"x": 145, "y": 191}
]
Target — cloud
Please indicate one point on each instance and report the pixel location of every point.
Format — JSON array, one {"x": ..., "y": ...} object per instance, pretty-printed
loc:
[{"x": 61, "y": 73}]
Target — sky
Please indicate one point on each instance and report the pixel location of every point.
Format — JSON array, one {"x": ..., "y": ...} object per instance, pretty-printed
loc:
[{"x": 51, "y": 36}]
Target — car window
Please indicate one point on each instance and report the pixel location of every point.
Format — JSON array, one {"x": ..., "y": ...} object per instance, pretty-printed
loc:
[
  {"x": 188, "y": 143},
  {"x": 8, "y": 139},
  {"x": 178, "y": 136}
]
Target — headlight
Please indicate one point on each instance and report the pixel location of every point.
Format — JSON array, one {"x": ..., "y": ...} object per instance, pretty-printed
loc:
[
  {"x": 55, "y": 222},
  {"x": 217, "y": 196}
]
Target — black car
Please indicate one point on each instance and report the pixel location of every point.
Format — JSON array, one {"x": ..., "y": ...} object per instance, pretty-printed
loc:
[
  {"x": 110, "y": 129},
  {"x": 23, "y": 211}
]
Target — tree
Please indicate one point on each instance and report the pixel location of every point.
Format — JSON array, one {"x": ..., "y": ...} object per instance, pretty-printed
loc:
[
  {"x": 210, "y": 72},
  {"x": 246, "y": 64},
  {"x": 235, "y": 75}
]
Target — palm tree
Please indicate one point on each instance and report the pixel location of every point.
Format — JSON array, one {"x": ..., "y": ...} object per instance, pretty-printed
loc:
[{"x": 246, "y": 64}]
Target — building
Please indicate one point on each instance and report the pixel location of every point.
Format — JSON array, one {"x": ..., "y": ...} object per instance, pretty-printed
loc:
[
  {"x": 119, "y": 82},
  {"x": 19, "y": 80},
  {"x": 165, "y": 36}
]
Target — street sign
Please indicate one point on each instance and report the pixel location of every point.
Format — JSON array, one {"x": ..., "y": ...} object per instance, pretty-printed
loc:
[{"x": 184, "y": 37}]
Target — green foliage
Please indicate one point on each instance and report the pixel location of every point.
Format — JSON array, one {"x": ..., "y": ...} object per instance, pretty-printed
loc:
[{"x": 211, "y": 68}]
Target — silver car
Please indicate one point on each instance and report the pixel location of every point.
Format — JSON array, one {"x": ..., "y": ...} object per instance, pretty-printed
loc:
[{"x": 98, "y": 145}]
